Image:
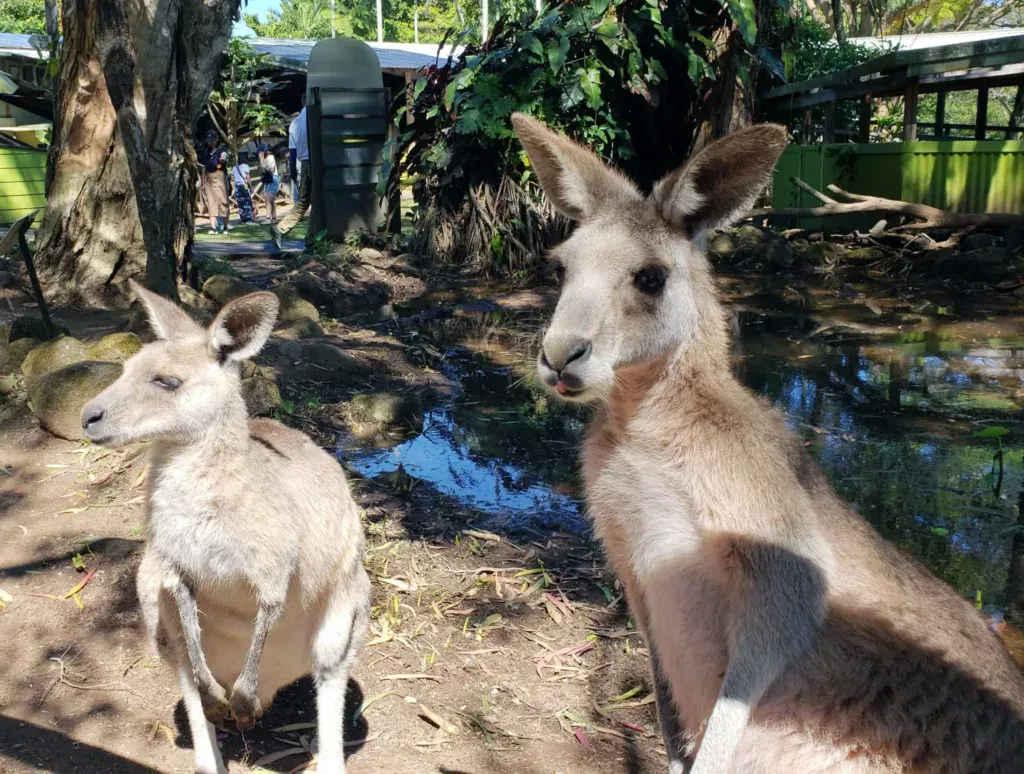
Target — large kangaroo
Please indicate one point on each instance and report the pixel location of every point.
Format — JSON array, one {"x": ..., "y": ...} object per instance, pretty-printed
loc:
[
  {"x": 785, "y": 636},
  {"x": 253, "y": 572}
]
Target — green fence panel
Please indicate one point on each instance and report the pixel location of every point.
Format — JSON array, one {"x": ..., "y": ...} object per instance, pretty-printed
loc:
[
  {"x": 958, "y": 175},
  {"x": 22, "y": 183}
]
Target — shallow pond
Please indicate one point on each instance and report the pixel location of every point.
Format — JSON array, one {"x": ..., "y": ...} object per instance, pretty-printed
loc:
[{"x": 916, "y": 426}]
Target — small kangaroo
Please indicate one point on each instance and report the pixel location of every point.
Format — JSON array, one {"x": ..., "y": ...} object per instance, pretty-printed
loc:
[
  {"x": 247, "y": 520},
  {"x": 784, "y": 634}
]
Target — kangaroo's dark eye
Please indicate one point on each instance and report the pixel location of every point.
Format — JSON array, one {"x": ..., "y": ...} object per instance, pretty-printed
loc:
[
  {"x": 650, "y": 280},
  {"x": 169, "y": 383}
]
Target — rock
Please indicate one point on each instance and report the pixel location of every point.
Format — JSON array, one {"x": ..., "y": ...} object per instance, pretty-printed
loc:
[
  {"x": 30, "y": 328},
  {"x": 977, "y": 242},
  {"x": 294, "y": 307},
  {"x": 224, "y": 287},
  {"x": 10, "y": 383},
  {"x": 51, "y": 356},
  {"x": 1014, "y": 238},
  {"x": 749, "y": 235},
  {"x": 115, "y": 348},
  {"x": 7, "y": 279},
  {"x": 779, "y": 255},
  {"x": 262, "y": 397},
  {"x": 374, "y": 412},
  {"x": 13, "y": 354},
  {"x": 193, "y": 299},
  {"x": 722, "y": 245},
  {"x": 373, "y": 257},
  {"x": 303, "y": 328},
  {"x": 291, "y": 350},
  {"x": 329, "y": 356},
  {"x": 819, "y": 253},
  {"x": 338, "y": 296},
  {"x": 58, "y": 397},
  {"x": 987, "y": 265}
]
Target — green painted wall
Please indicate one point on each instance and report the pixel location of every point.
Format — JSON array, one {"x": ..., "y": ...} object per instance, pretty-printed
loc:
[
  {"x": 22, "y": 182},
  {"x": 958, "y": 175}
]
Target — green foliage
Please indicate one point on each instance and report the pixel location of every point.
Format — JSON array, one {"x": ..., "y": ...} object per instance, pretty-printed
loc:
[
  {"x": 596, "y": 69},
  {"x": 23, "y": 17},
  {"x": 299, "y": 19},
  {"x": 358, "y": 18},
  {"x": 236, "y": 106}
]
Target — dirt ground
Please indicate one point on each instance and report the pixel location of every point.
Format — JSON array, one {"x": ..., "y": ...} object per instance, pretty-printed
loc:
[{"x": 520, "y": 643}]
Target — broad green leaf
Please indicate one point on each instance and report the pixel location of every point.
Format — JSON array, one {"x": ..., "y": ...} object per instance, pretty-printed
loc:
[
  {"x": 590, "y": 82},
  {"x": 743, "y": 13},
  {"x": 558, "y": 51},
  {"x": 532, "y": 43},
  {"x": 421, "y": 84},
  {"x": 599, "y": 6},
  {"x": 449, "y": 95},
  {"x": 940, "y": 531}
]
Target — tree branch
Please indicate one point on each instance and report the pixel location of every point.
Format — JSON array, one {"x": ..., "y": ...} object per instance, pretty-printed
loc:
[{"x": 929, "y": 217}]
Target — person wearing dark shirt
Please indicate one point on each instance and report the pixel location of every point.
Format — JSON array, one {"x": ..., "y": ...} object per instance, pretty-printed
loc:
[{"x": 214, "y": 160}]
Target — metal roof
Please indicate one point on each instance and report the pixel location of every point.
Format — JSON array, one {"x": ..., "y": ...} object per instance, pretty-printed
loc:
[
  {"x": 288, "y": 52},
  {"x": 912, "y": 42},
  {"x": 960, "y": 66},
  {"x": 294, "y": 53}
]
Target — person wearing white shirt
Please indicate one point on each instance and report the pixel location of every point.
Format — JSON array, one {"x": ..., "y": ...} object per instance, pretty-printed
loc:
[{"x": 298, "y": 140}]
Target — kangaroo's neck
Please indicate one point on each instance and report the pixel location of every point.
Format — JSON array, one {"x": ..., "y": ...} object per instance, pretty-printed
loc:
[{"x": 223, "y": 446}]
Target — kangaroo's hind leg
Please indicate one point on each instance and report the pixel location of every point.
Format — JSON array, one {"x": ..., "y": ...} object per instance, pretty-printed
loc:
[{"x": 335, "y": 647}]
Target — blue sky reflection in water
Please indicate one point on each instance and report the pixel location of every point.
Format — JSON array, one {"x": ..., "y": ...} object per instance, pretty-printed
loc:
[{"x": 443, "y": 456}]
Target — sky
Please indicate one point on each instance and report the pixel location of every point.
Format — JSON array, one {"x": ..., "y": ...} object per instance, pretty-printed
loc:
[{"x": 258, "y": 7}]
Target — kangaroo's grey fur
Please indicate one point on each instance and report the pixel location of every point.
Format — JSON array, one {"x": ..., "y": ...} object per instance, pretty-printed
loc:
[
  {"x": 247, "y": 520},
  {"x": 792, "y": 638}
]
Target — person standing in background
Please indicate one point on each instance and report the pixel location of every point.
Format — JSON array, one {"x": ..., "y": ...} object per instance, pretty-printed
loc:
[
  {"x": 298, "y": 136},
  {"x": 271, "y": 182},
  {"x": 242, "y": 181},
  {"x": 293, "y": 169},
  {"x": 214, "y": 159}
]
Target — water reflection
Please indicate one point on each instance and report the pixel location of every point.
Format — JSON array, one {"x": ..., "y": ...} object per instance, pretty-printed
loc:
[{"x": 893, "y": 420}]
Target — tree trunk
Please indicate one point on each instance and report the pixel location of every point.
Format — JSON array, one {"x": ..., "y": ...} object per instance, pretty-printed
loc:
[
  {"x": 91, "y": 241},
  {"x": 837, "y": 20},
  {"x": 1015, "y": 586}
]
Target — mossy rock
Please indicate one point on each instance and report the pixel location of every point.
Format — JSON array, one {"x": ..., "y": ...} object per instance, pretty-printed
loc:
[
  {"x": 865, "y": 254},
  {"x": 223, "y": 288},
  {"x": 193, "y": 299},
  {"x": 722, "y": 244},
  {"x": 115, "y": 348},
  {"x": 373, "y": 412},
  {"x": 13, "y": 354},
  {"x": 818, "y": 253},
  {"x": 749, "y": 235},
  {"x": 51, "y": 356},
  {"x": 31, "y": 328},
  {"x": 262, "y": 397},
  {"x": 57, "y": 398},
  {"x": 294, "y": 308},
  {"x": 303, "y": 328}
]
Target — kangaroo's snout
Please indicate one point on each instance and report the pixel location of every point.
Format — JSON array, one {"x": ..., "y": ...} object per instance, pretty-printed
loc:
[
  {"x": 561, "y": 360},
  {"x": 93, "y": 417}
]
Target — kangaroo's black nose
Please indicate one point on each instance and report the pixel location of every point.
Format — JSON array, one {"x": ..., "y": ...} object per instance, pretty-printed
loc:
[{"x": 92, "y": 416}]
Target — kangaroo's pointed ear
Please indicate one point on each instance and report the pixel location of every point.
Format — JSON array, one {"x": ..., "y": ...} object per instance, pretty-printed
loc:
[
  {"x": 722, "y": 181},
  {"x": 167, "y": 319},
  {"x": 243, "y": 326},
  {"x": 576, "y": 181}
]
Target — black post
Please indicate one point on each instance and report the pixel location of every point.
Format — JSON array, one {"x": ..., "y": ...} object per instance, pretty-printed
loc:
[
  {"x": 37, "y": 289},
  {"x": 981, "y": 119},
  {"x": 940, "y": 114}
]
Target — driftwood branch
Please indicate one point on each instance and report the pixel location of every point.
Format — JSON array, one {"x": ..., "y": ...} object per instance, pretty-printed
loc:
[{"x": 926, "y": 215}]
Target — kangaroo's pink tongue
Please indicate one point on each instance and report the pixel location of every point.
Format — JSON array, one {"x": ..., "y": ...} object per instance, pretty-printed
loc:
[{"x": 562, "y": 389}]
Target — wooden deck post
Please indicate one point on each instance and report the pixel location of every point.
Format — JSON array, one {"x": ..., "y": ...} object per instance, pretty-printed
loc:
[
  {"x": 910, "y": 112},
  {"x": 981, "y": 118},
  {"x": 830, "y": 122},
  {"x": 940, "y": 114},
  {"x": 864, "y": 120},
  {"x": 808, "y": 125}
]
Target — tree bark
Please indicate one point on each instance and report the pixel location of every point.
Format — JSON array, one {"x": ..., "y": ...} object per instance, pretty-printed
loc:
[
  {"x": 1015, "y": 584},
  {"x": 91, "y": 241}
]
